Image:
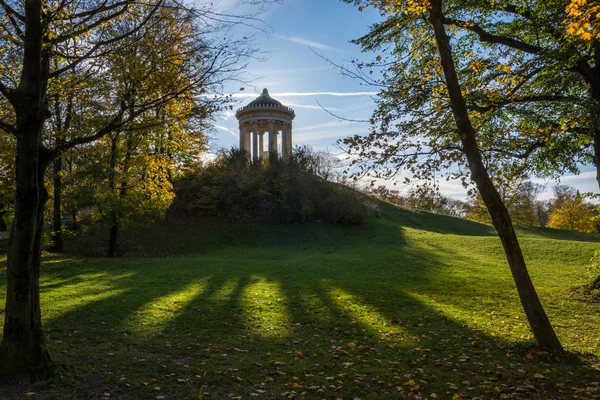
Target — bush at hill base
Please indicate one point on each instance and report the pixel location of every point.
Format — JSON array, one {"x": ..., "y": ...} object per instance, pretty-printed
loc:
[{"x": 283, "y": 191}]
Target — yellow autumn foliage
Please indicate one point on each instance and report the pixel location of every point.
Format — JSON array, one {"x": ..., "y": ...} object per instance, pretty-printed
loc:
[
  {"x": 572, "y": 215},
  {"x": 583, "y": 17}
]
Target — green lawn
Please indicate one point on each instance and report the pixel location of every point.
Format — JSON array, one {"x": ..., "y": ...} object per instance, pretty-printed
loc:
[{"x": 407, "y": 306}]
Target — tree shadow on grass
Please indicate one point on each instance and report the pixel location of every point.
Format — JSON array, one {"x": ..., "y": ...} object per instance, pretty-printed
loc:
[
  {"x": 271, "y": 317},
  {"x": 320, "y": 320}
]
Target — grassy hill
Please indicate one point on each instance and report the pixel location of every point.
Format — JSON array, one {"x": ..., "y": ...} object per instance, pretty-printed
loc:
[{"x": 408, "y": 305}]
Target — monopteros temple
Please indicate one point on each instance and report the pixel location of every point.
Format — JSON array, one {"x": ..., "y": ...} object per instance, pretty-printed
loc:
[{"x": 265, "y": 115}]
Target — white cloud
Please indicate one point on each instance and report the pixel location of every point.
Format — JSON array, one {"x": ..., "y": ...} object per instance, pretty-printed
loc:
[
  {"x": 306, "y": 94},
  {"x": 224, "y": 128},
  {"x": 306, "y": 42},
  {"x": 228, "y": 114},
  {"x": 583, "y": 175},
  {"x": 308, "y": 106},
  {"x": 331, "y": 124}
]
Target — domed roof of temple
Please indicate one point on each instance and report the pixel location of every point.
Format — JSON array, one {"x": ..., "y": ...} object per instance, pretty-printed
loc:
[
  {"x": 264, "y": 100},
  {"x": 265, "y": 103}
]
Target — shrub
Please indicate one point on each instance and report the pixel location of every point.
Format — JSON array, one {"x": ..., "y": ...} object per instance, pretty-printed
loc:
[
  {"x": 594, "y": 271},
  {"x": 341, "y": 204},
  {"x": 283, "y": 191}
]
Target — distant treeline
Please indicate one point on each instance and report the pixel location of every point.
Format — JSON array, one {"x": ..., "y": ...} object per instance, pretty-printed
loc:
[{"x": 565, "y": 210}]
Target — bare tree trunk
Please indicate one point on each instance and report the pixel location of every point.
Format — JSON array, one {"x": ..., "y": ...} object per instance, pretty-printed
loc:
[
  {"x": 23, "y": 350},
  {"x": 113, "y": 236},
  {"x": 75, "y": 221},
  {"x": 594, "y": 89},
  {"x": 538, "y": 320},
  {"x": 596, "y": 145},
  {"x": 57, "y": 234}
]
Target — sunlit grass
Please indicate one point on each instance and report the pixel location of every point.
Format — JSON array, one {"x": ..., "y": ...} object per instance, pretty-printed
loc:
[
  {"x": 367, "y": 315},
  {"x": 407, "y": 305},
  {"x": 159, "y": 312},
  {"x": 264, "y": 308}
]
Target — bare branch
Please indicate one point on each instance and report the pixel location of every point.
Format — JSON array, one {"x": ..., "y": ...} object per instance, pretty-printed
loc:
[
  {"x": 9, "y": 10},
  {"x": 342, "y": 118}
]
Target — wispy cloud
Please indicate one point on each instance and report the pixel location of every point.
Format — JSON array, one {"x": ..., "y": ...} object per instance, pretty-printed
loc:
[
  {"x": 340, "y": 125},
  {"x": 566, "y": 178},
  {"x": 583, "y": 175},
  {"x": 224, "y": 128},
  {"x": 308, "y": 94},
  {"x": 307, "y": 42},
  {"x": 274, "y": 71},
  {"x": 309, "y": 106}
]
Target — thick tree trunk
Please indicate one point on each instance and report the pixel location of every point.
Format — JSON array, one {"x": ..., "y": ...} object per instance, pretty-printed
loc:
[
  {"x": 57, "y": 234},
  {"x": 3, "y": 226},
  {"x": 538, "y": 320},
  {"x": 112, "y": 239},
  {"x": 592, "y": 77},
  {"x": 23, "y": 349},
  {"x": 596, "y": 144},
  {"x": 75, "y": 221}
]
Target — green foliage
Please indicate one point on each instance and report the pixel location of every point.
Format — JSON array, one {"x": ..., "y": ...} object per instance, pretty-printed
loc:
[
  {"x": 527, "y": 86},
  {"x": 593, "y": 267},
  {"x": 285, "y": 191}
]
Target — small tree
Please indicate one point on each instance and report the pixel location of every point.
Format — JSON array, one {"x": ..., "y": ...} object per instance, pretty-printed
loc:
[{"x": 572, "y": 215}]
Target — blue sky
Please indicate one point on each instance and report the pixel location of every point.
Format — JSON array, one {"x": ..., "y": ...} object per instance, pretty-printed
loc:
[{"x": 301, "y": 79}]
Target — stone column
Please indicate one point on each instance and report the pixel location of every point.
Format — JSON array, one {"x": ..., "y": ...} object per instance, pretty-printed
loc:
[
  {"x": 272, "y": 141},
  {"x": 242, "y": 137},
  {"x": 255, "y": 141},
  {"x": 284, "y": 140},
  {"x": 248, "y": 146},
  {"x": 289, "y": 140},
  {"x": 261, "y": 145}
]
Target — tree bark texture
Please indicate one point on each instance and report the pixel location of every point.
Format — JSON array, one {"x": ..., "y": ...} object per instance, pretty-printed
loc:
[
  {"x": 23, "y": 349},
  {"x": 536, "y": 316}
]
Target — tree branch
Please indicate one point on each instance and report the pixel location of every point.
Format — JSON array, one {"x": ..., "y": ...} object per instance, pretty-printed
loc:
[
  {"x": 9, "y": 10},
  {"x": 106, "y": 42},
  {"x": 527, "y": 99},
  {"x": 487, "y": 37}
]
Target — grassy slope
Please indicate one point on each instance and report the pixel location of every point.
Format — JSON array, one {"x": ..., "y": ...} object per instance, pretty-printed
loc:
[{"x": 408, "y": 304}]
